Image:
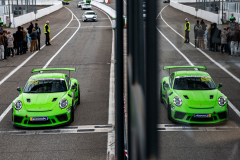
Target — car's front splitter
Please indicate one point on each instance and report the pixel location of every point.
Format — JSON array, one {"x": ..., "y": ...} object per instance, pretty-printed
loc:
[
  {"x": 26, "y": 121},
  {"x": 199, "y": 116}
]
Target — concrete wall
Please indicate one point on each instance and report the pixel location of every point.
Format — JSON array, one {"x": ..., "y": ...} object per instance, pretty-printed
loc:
[
  {"x": 104, "y": 7},
  {"x": 192, "y": 1},
  {"x": 38, "y": 2},
  {"x": 209, "y": 16},
  {"x": 18, "y": 21}
]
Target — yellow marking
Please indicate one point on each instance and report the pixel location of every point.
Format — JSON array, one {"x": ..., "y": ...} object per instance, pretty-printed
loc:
[
  {"x": 209, "y": 115},
  {"x": 33, "y": 82},
  {"x": 205, "y": 79},
  {"x": 30, "y": 118}
]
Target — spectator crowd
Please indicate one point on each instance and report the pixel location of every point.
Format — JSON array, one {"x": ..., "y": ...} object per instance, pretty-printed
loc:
[
  {"x": 20, "y": 42},
  {"x": 224, "y": 41}
]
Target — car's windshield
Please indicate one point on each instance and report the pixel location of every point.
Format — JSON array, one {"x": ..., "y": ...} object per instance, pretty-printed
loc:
[
  {"x": 45, "y": 86},
  {"x": 86, "y": 4},
  {"x": 90, "y": 13},
  {"x": 193, "y": 83}
]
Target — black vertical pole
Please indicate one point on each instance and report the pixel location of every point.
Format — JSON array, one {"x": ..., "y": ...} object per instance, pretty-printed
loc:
[
  {"x": 119, "y": 80},
  {"x": 151, "y": 81}
]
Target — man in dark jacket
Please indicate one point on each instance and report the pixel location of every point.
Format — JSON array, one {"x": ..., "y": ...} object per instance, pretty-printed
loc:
[
  {"x": 216, "y": 39},
  {"x": 196, "y": 28},
  {"x": 5, "y": 45},
  {"x": 38, "y": 31},
  {"x": 33, "y": 36},
  {"x": 2, "y": 47},
  {"x": 19, "y": 40},
  {"x": 234, "y": 41},
  {"x": 30, "y": 28}
]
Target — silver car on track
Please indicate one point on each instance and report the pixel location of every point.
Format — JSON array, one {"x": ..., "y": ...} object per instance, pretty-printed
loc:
[
  {"x": 89, "y": 16},
  {"x": 86, "y": 6}
]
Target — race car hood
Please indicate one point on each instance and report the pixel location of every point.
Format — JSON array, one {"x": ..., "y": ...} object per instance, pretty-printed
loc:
[
  {"x": 89, "y": 16},
  {"x": 199, "y": 99},
  {"x": 42, "y": 101}
]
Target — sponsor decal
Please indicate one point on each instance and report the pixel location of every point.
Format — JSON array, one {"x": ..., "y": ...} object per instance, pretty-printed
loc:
[
  {"x": 202, "y": 115},
  {"x": 38, "y": 118}
]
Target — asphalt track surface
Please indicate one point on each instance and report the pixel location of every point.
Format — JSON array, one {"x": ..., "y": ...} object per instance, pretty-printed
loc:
[
  {"x": 217, "y": 141},
  {"x": 89, "y": 51}
]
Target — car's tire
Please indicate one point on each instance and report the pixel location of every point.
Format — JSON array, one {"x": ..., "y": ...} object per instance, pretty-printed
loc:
[
  {"x": 78, "y": 96},
  {"x": 72, "y": 112},
  {"x": 169, "y": 111},
  {"x": 161, "y": 99}
]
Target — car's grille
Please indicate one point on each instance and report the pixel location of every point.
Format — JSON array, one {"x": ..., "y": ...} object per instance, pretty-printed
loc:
[
  {"x": 201, "y": 119},
  {"x": 179, "y": 115},
  {"x": 40, "y": 122},
  {"x": 62, "y": 117},
  {"x": 18, "y": 119},
  {"x": 222, "y": 115}
]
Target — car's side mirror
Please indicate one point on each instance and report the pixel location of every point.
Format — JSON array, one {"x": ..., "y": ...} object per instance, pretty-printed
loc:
[
  {"x": 166, "y": 86},
  {"x": 219, "y": 85},
  {"x": 19, "y": 89},
  {"x": 74, "y": 87}
]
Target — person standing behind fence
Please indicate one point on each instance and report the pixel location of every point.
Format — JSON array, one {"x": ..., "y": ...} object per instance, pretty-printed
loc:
[
  {"x": 38, "y": 30},
  {"x": 234, "y": 41},
  {"x": 187, "y": 30},
  {"x": 25, "y": 40},
  {"x": 30, "y": 30},
  {"x": 19, "y": 40},
  {"x": 196, "y": 28},
  {"x": 232, "y": 18},
  {"x": 2, "y": 47},
  {"x": 10, "y": 44},
  {"x": 33, "y": 36},
  {"x": 200, "y": 33},
  {"x": 224, "y": 40}
]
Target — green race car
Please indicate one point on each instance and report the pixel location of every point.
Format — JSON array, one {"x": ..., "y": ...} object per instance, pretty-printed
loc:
[
  {"x": 48, "y": 99},
  {"x": 192, "y": 97}
]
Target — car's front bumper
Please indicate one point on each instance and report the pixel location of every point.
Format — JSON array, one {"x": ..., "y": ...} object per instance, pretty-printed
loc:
[
  {"x": 90, "y": 19},
  {"x": 218, "y": 114},
  {"x": 22, "y": 119}
]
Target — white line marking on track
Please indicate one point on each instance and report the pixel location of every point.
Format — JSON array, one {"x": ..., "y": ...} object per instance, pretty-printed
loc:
[
  {"x": 72, "y": 27},
  {"x": 238, "y": 80},
  {"x": 30, "y": 57},
  {"x": 64, "y": 130},
  {"x": 79, "y": 25},
  {"x": 96, "y": 27},
  {"x": 211, "y": 59},
  {"x": 10, "y": 106},
  {"x": 111, "y": 111},
  {"x": 174, "y": 128}
]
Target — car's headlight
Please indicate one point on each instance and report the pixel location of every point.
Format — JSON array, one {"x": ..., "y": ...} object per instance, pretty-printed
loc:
[
  {"x": 63, "y": 103},
  {"x": 18, "y": 105},
  {"x": 177, "y": 101},
  {"x": 221, "y": 101}
]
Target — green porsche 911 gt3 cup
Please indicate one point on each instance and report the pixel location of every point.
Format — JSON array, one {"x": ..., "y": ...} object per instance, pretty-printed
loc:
[
  {"x": 48, "y": 99},
  {"x": 192, "y": 97}
]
